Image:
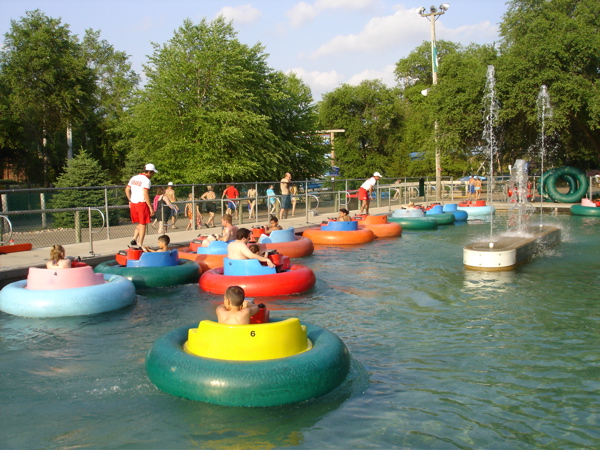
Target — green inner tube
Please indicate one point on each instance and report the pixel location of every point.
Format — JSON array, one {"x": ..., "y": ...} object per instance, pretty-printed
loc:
[
  {"x": 579, "y": 210},
  {"x": 446, "y": 218},
  {"x": 540, "y": 186},
  {"x": 152, "y": 277},
  {"x": 577, "y": 188},
  {"x": 249, "y": 383},
  {"x": 416, "y": 223}
]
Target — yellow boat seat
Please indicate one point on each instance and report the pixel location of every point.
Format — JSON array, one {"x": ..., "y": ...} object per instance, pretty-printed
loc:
[{"x": 255, "y": 342}]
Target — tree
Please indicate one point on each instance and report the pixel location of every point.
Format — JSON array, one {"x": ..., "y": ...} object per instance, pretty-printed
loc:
[
  {"x": 48, "y": 87},
  {"x": 81, "y": 171},
  {"x": 212, "y": 110},
  {"x": 114, "y": 82},
  {"x": 456, "y": 98},
  {"x": 459, "y": 108},
  {"x": 372, "y": 115},
  {"x": 553, "y": 43}
]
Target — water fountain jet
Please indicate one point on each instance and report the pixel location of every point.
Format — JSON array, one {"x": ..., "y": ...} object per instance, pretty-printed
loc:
[{"x": 523, "y": 241}]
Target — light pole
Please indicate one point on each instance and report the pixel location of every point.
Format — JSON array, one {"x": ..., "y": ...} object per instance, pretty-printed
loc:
[{"x": 433, "y": 15}]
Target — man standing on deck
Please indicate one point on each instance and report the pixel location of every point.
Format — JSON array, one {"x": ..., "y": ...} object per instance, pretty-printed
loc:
[
  {"x": 140, "y": 206},
  {"x": 232, "y": 194},
  {"x": 170, "y": 193},
  {"x": 286, "y": 197},
  {"x": 365, "y": 191}
]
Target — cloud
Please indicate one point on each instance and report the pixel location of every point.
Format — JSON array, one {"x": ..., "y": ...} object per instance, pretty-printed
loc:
[
  {"x": 240, "y": 14},
  {"x": 319, "y": 82},
  {"x": 302, "y": 13},
  {"x": 148, "y": 23},
  {"x": 403, "y": 30},
  {"x": 386, "y": 75},
  {"x": 480, "y": 32},
  {"x": 378, "y": 35}
]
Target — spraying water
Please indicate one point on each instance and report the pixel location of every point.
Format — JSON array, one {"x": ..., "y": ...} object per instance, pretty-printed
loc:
[
  {"x": 544, "y": 112},
  {"x": 490, "y": 117},
  {"x": 519, "y": 191}
]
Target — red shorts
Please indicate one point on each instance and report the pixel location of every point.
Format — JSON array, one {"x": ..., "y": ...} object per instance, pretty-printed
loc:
[
  {"x": 139, "y": 212},
  {"x": 363, "y": 194}
]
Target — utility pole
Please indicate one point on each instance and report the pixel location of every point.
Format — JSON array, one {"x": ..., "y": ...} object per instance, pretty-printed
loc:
[{"x": 433, "y": 15}]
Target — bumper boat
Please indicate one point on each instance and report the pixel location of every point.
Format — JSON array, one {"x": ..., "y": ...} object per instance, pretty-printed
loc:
[
  {"x": 151, "y": 269},
  {"x": 459, "y": 216},
  {"x": 586, "y": 208},
  {"x": 258, "y": 280},
  {"x": 77, "y": 291},
  {"x": 268, "y": 364},
  {"x": 207, "y": 258},
  {"x": 413, "y": 219},
  {"x": 476, "y": 209},
  {"x": 379, "y": 225},
  {"x": 339, "y": 233},
  {"x": 436, "y": 212},
  {"x": 284, "y": 241}
]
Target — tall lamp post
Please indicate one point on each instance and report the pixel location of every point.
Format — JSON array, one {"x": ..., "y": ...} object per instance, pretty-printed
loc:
[{"x": 433, "y": 15}]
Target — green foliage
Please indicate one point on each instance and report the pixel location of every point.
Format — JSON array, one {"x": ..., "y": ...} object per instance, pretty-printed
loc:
[
  {"x": 554, "y": 43},
  {"x": 213, "y": 111},
  {"x": 134, "y": 164},
  {"x": 81, "y": 171},
  {"x": 115, "y": 82},
  {"x": 372, "y": 116},
  {"x": 43, "y": 72},
  {"x": 49, "y": 81},
  {"x": 457, "y": 91}
]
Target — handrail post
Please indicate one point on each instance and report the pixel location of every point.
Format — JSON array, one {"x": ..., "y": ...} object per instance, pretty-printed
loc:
[
  {"x": 90, "y": 231},
  {"x": 306, "y": 199},
  {"x": 106, "y": 210},
  {"x": 43, "y": 207},
  {"x": 77, "y": 228}
]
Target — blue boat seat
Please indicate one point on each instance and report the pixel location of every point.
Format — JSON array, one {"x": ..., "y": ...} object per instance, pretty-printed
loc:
[
  {"x": 155, "y": 259},
  {"x": 245, "y": 267},
  {"x": 340, "y": 226},
  {"x": 437, "y": 209},
  {"x": 278, "y": 236},
  {"x": 214, "y": 248}
]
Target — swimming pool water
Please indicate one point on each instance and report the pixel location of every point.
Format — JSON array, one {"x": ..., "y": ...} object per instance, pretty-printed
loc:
[{"x": 442, "y": 357}]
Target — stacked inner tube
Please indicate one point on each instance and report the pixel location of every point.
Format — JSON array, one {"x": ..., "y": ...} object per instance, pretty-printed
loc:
[{"x": 575, "y": 178}]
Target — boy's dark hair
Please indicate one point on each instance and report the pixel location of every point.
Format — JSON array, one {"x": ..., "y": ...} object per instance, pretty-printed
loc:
[
  {"x": 164, "y": 238},
  {"x": 274, "y": 219},
  {"x": 235, "y": 295},
  {"x": 344, "y": 210},
  {"x": 242, "y": 233},
  {"x": 254, "y": 248}
]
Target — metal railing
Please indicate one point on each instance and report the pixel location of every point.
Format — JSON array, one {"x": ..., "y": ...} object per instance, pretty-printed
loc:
[{"x": 31, "y": 215}]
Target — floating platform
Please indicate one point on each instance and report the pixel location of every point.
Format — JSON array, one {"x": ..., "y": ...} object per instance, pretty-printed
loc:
[{"x": 506, "y": 252}]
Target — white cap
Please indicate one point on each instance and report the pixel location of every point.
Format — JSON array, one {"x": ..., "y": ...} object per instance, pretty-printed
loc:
[
  {"x": 150, "y": 168},
  {"x": 170, "y": 183},
  {"x": 377, "y": 174}
]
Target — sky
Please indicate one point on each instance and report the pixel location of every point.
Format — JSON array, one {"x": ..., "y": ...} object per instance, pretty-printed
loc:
[{"x": 325, "y": 42}]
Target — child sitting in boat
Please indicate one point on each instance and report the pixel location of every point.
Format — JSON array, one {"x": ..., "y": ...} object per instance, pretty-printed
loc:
[
  {"x": 235, "y": 310},
  {"x": 163, "y": 244},
  {"x": 58, "y": 259},
  {"x": 273, "y": 225},
  {"x": 344, "y": 215}
]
